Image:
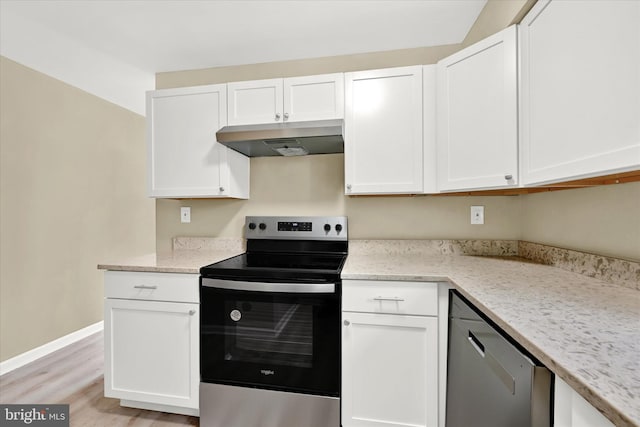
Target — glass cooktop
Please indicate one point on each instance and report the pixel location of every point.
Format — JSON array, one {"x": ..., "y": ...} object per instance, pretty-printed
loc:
[{"x": 274, "y": 266}]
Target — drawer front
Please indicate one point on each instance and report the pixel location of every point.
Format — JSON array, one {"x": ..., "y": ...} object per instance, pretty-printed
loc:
[
  {"x": 371, "y": 296},
  {"x": 172, "y": 287}
]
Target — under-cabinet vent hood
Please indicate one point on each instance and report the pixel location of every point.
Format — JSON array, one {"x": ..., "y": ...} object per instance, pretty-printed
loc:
[{"x": 284, "y": 139}]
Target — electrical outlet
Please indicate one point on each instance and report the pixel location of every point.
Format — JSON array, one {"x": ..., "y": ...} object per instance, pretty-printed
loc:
[
  {"x": 185, "y": 214},
  {"x": 477, "y": 214}
]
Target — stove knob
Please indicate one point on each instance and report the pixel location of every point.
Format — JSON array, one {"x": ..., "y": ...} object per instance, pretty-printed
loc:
[
  {"x": 327, "y": 228},
  {"x": 338, "y": 227},
  {"x": 252, "y": 226},
  {"x": 262, "y": 226}
]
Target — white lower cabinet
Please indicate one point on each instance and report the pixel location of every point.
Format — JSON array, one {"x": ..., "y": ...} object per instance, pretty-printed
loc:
[
  {"x": 389, "y": 360},
  {"x": 152, "y": 345},
  {"x": 571, "y": 410}
]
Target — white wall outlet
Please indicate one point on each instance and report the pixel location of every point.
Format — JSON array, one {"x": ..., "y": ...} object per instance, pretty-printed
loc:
[
  {"x": 185, "y": 214},
  {"x": 477, "y": 214}
]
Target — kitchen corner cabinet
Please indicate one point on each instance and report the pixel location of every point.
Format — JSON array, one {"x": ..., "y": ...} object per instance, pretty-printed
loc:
[
  {"x": 389, "y": 354},
  {"x": 383, "y": 131},
  {"x": 571, "y": 410},
  {"x": 477, "y": 115},
  {"x": 286, "y": 100},
  {"x": 580, "y": 90},
  {"x": 151, "y": 333},
  {"x": 184, "y": 159}
]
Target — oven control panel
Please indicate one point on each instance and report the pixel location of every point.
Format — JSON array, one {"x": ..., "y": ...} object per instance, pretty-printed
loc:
[
  {"x": 295, "y": 226},
  {"x": 308, "y": 227}
]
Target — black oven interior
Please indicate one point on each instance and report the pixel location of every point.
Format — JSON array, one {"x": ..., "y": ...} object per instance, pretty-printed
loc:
[{"x": 278, "y": 341}]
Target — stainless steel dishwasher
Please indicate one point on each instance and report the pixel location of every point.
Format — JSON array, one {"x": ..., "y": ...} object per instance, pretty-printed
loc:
[{"x": 490, "y": 381}]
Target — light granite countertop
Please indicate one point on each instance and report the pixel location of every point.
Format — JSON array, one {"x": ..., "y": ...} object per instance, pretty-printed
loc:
[
  {"x": 585, "y": 330},
  {"x": 187, "y": 256},
  {"x": 177, "y": 261}
]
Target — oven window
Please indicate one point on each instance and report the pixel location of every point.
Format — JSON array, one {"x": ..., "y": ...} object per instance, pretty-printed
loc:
[
  {"x": 269, "y": 333},
  {"x": 279, "y": 341}
]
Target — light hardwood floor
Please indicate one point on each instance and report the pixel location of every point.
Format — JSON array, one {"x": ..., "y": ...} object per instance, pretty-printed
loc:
[{"x": 74, "y": 375}]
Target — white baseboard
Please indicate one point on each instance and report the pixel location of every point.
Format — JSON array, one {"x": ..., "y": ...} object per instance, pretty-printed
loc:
[{"x": 48, "y": 348}]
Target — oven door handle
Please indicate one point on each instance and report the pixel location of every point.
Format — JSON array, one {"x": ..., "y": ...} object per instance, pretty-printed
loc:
[{"x": 296, "y": 288}]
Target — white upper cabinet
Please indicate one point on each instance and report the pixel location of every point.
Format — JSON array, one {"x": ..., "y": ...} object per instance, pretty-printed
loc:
[
  {"x": 252, "y": 102},
  {"x": 429, "y": 134},
  {"x": 383, "y": 131},
  {"x": 314, "y": 97},
  {"x": 580, "y": 90},
  {"x": 286, "y": 100},
  {"x": 184, "y": 159},
  {"x": 477, "y": 115}
]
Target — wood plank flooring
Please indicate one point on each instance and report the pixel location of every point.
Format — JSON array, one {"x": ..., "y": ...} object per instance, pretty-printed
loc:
[{"x": 75, "y": 375}]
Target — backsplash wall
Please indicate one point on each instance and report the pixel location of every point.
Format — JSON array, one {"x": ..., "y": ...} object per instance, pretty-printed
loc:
[
  {"x": 313, "y": 185},
  {"x": 602, "y": 220}
]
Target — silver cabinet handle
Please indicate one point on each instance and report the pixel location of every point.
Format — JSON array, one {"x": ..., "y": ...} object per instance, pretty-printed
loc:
[
  {"x": 239, "y": 285},
  {"x": 192, "y": 312},
  {"x": 277, "y": 116},
  {"x": 222, "y": 189},
  {"x": 346, "y": 323},
  {"x": 508, "y": 176},
  {"x": 145, "y": 287},
  {"x": 286, "y": 116},
  {"x": 396, "y": 299},
  {"x": 348, "y": 186}
]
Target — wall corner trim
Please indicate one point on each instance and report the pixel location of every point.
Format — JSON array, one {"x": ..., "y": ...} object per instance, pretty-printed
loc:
[{"x": 48, "y": 348}]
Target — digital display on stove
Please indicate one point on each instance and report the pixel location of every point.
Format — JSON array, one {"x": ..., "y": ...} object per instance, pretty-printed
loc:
[{"x": 294, "y": 226}]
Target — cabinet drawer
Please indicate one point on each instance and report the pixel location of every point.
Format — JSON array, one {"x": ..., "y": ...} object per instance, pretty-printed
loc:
[
  {"x": 417, "y": 298},
  {"x": 151, "y": 286}
]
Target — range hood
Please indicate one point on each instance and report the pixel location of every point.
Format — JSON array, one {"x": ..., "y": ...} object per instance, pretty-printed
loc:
[{"x": 284, "y": 139}]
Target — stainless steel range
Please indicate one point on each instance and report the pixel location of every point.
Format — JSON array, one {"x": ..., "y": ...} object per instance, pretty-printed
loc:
[{"x": 270, "y": 326}]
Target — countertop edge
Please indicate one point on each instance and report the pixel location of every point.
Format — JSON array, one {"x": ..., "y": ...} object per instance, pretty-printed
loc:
[{"x": 148, "y": 269}]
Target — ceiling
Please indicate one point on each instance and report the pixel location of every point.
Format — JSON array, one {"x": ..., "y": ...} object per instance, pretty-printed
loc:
[
  {"x": 156, "y": 36},
  {"x": 113, "y": 48}
]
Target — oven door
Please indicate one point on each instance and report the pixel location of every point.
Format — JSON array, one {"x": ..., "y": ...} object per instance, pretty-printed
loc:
[{"x": 280, "y": 336}]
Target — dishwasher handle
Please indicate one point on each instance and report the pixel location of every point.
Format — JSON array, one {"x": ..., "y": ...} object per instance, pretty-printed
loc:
[
  {"x": 475, "y": 343},
  {"x": 503, "y": 375}
]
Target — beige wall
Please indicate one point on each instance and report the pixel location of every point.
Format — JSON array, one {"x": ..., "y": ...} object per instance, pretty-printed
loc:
[
  {"x": 72, "y": 183},
  {"x": 313, "y": 185},
  {"x": 495, "y": 16},
  {"x": 603, "y": 220},
  {"x": 305, "y": 67}
]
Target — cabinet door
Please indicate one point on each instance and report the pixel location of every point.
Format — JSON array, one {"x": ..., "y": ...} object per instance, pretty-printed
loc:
[
  {"x": 383, "y": 131},
  {"x": 151, "y": 352},
  {"x": 184, "y": 159},
  {"x": 571, "y": 410},
  {"x": 254, "y": 102},
  {"x": 389, "y": 370},
  {"x": 477, "y": 115},
  {"x": 314, "y": 97},
  {"x": 429, "y": 126},
  {"x": 580, "y": 90}
]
